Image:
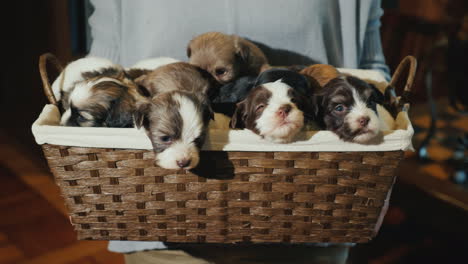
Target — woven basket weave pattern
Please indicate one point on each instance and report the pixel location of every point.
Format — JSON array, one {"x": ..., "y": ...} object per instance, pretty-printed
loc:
[{"x": 117, "y": 194}]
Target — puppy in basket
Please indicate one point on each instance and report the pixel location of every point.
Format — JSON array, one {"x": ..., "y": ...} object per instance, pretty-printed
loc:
[
  {"x": 176, "y": 115},
  {"x": 353, "y": 109},
  {"x": 226, "y": 57},
  {"x": 94, "y": 92},
  {"x": 278, "y": 106}
]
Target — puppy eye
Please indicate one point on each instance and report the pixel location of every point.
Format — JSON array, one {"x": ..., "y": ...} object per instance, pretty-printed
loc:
[
  {"x": 340, "y": 108},
  {"x": 81, "y": 119},
  {"x": 199, "y": 141},
  {"x": 220, "y": 71},
  {"x": 166, "y": 139},
  {"x": 370, "y": 103},
  {"x": 259, "y": 107}
]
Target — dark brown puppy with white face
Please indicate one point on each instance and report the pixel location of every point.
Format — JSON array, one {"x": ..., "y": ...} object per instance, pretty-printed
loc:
[
  {"x": 176, "y": 115},
  {"x": 348, "y": 107},
  {"x": 226, "y": 57},
  {"x": 277, "y": 107}
]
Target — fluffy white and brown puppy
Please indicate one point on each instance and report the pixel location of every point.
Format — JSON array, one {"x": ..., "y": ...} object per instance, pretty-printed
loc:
[
  {"x": 176, "y": 115},
  {"x": 226, "y": 57},
  {"x": 73, "y": 73},
  {"x": 277, "y": 107},
  {"x": 94, "y": 92},
  {"x": 348, "y": 107},
  {"x": 103, "y": 99}
]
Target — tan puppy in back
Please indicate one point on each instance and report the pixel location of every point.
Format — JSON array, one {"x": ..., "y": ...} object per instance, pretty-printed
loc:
[
  {"x": 322, "y": 73},
  {"x": 226, "y": 57}
]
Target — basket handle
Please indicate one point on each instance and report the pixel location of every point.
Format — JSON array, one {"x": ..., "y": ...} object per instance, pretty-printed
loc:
[
  {"x": 407, "y": 67},
  {"x": 43, "y": 59}
]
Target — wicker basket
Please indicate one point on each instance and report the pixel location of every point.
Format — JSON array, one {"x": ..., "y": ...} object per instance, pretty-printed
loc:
[{"x": 119, "y": 194}]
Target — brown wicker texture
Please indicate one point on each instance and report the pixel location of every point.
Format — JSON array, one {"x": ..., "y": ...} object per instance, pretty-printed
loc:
[{"x": 117, "y": 194}]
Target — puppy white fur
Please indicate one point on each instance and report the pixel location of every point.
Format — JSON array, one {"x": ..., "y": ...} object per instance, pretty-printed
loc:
[
  {"x": 81, "y": 94},
  {"x": 360, "y": 110},
  {"x": 72, "y": 73},
  {"x": 176, "y": 114},
  {"x": 184, "y": 148},
  {"x": 350, "y": 108},
  {"x": 273, "y": 126}
]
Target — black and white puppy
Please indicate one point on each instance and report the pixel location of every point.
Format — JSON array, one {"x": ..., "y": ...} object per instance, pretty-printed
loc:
[
  {"x": 176, "y": 115},
  {"x": 277, "y": 107},
  {"x": 349, "y": 106}
]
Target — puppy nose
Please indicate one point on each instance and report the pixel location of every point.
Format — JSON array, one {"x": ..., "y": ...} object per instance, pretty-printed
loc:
[
  {"x": 284, "y": 110},
  {"x": 183, "y": 163},
  {"x": 363, "y": 121}
]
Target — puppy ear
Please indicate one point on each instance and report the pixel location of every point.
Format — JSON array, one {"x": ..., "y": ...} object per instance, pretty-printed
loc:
[
  {"x": 143, "y": 86},
  {"x": 189, "y": 50},
  {"x": 208, "y": 113},
  {"x": 241, "y": 48},
  {"x": 238, "y": 119},
  {"x": 317, "y": 100},
  {"x": 140, "y": 115}
]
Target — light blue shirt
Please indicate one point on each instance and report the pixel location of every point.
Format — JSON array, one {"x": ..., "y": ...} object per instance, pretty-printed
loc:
[{"x": 343, "y": 33}]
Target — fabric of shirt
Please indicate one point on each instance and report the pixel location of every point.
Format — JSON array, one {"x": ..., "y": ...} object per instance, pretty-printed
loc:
[{"x": 343, "y": 33}]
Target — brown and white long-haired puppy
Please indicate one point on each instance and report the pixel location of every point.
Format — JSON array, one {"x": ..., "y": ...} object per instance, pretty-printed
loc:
[
  {"x": 322, "y": 73},
  {"x": 176, "y": 115},
  {"x": 103, "y": 99},
  {"x": 348, "y": 106},
  {"x": 226, "y": 57},
  {"x": 95, "y": 93},
  {"x": 278, "y": 106}
]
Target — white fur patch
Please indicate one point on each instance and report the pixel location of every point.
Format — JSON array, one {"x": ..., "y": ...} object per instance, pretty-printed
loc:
[
  {"x": 184, "y": 148},
  {"x": 191, "y": 117},
  {"x": 359, "y": 110},
  {"x": 153, "y": 63},
  {"x": 178, "y": 151},
  {"x": 273, "y": 127},
  {"x": 82, "y": 91},
  {"x": 66, "y": 115},
  {"x": 72, "y": 73}
]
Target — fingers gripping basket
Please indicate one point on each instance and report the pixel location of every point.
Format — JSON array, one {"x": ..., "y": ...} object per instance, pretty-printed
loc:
[{"x": 234, "y": 196}]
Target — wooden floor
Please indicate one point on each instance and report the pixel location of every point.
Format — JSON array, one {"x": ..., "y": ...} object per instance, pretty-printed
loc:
[{"x": 34, "y": 227}]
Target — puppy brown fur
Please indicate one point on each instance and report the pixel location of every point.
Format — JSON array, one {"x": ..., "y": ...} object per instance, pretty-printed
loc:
[
  {"x": 323, "y": 73},
  {"x": 179, "y": 76},
  {"x": 226, "y": 57},
  {"x": 176, "y": 115},
  {"x": 101, "y": 100}
]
